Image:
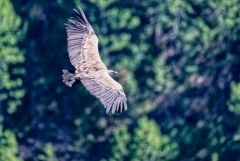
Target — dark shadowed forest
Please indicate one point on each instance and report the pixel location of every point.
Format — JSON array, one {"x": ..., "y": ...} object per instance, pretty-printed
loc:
[{"x": 178, "y": 62}]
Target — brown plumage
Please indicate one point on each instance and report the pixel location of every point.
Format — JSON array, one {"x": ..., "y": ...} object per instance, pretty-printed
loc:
[{"x": 90, "y": 70}]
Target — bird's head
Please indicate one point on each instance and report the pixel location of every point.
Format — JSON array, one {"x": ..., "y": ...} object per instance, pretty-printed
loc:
[{"x": 111, "y": 72}]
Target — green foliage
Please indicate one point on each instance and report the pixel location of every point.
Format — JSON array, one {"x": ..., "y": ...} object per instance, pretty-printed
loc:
[
  {"x": 11, "y": 83},
  {"x": 149, "y": 144},
  {"x": 120, "y": 142},
  {"x": 234, "y": 103},
  {"x": 49, "y": 154},
  {"x": 146, "y": 143},
  {"x": 8, "y": 146}
]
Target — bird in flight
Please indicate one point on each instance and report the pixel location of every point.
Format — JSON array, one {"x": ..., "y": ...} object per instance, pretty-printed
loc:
[{"x": 89, "y": 68}]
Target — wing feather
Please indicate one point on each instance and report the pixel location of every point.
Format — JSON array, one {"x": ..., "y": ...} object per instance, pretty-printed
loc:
[
  {"x": 110, "y": 103},
  {"x": 125, "y": 104},
  {"x": 108, "y": 91},
  {"x": 78, "y": 29},
  {"x": 118, "y": 105},
  {"x": 109, "y": 99},
  {"x": 121, "y": 106},
  {"x": 105, "y": 97},
  {"x": 115, "y": 104}
]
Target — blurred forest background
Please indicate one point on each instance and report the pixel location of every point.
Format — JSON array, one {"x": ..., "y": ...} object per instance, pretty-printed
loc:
[{"x": 178, "y": 61}]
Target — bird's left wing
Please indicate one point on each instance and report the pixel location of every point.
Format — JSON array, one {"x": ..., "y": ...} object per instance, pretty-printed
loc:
[
  {"x": 78, "y": 29},
  {"x": 108, "y": 91}
]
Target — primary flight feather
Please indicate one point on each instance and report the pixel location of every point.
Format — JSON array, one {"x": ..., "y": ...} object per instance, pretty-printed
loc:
[{"x": 90, "y": 70}]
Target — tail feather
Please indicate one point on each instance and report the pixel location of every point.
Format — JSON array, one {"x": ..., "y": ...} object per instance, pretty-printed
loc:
[{"x": 68, "y": 78}]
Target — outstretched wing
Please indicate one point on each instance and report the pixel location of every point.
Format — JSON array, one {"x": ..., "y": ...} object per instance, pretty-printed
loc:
[
  {"x": 78, "y": 29},
  {"x": 83, "y": 51},
  {"x": 108, "y": 91}
]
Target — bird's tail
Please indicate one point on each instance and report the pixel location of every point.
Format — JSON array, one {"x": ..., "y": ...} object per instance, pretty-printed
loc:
[{"x": 68, "y": 78}]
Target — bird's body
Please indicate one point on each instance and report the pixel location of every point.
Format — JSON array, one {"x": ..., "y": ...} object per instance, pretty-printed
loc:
[
  {"x": 90, "y": 70},
  {"x": 90, "y": 61}
]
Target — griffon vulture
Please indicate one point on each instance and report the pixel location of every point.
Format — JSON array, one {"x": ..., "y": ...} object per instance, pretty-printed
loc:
[{"x": 89, "y": 68}]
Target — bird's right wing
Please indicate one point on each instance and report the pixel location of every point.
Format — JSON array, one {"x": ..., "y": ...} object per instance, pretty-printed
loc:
[
  {"x": 78, "y": 29},
  {"x": 108, "y": 91}
]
